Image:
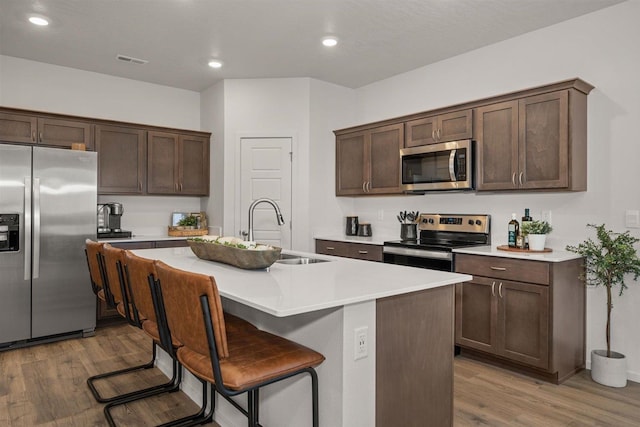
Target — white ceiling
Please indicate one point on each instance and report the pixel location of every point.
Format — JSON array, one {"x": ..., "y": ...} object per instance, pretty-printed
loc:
[{"x": 268, "y": 38}]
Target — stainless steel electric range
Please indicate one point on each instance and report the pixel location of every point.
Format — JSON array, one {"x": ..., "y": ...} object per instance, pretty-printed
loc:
[{"x": 438, "y": 235}]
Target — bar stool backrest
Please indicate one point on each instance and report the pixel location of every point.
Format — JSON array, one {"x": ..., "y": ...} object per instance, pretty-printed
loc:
[
  {"x": 181, "y": 292},
  {"x": 93, "y": 251},
  {"x": 138, "y": 271},
  {"x": 113, "y": 256}
]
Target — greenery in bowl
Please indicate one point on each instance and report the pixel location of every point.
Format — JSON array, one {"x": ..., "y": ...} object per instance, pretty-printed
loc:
[{"x": 536, "y": 227}]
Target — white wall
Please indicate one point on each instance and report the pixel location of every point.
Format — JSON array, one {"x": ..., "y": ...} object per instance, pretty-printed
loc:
[
  {"x": 600, "y": 48},
  {"x": 51, "y": 88}
]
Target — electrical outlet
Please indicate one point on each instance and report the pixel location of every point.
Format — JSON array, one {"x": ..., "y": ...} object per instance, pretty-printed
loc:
[
  {"x": 632, "y": 219},
  {"x": 360, "y": 342}
]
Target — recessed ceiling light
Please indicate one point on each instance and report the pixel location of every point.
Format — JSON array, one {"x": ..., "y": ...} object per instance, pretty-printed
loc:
[
  {"x": 329, "y": 41},
  {"x": 38, "y": 20},
  {"x": 214, "y": 63}
]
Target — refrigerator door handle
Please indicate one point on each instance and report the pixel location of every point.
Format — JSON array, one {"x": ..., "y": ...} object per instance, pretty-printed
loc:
[
  {"x": 27, "y": 228},
  {"x": 36, "y": 228}
]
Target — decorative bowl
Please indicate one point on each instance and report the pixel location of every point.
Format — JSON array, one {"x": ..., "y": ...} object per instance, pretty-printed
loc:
[{"x": 248, "y": 259}]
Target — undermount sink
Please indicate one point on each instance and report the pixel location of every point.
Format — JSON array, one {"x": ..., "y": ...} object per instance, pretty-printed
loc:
[{"x": 296, "y": 259}]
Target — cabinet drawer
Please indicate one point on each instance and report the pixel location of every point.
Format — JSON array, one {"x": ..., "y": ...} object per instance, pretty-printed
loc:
[
  {"x": 503, "y": 268},
  {"x": 171, "y": 243},
  {"x": 366, "y": 252},
  {"x": 331, "y": 247},
  {"x": 134, "y": 245}
]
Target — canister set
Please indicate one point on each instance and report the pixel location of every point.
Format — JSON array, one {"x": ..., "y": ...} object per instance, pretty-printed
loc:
[{"x": 355, "y": 228}]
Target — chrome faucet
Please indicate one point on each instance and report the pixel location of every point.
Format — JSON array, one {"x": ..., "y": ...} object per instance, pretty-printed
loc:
[{"x": 256, "y": 202}]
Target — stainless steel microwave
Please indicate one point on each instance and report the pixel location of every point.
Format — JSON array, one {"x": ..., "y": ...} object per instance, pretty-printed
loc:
[{"x": 435, "y": 167}]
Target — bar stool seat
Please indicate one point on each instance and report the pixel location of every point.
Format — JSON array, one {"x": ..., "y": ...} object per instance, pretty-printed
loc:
[{"x": 254, "y": 357}]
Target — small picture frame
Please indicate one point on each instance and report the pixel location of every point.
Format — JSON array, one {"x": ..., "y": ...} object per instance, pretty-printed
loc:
[{"x": 176, "y": 217}]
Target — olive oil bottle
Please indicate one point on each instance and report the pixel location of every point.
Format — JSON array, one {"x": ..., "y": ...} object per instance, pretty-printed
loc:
[
  {"x": 514, "y": 231},
  {"x": 526, "y": 218}
]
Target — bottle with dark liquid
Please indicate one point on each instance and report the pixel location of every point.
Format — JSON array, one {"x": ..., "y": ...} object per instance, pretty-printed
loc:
[
  {"x": 526, "y": 218},
  {"x": 514, "y": 230}
]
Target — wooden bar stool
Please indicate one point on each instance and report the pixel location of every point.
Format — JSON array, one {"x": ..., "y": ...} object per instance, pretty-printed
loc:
[
  {"x": 234, "y": 361},
  {"x": 114, "y": 284}
]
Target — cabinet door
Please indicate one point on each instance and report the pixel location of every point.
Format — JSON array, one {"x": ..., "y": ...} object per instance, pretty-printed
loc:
[
  {"x": 384, "y": 159},
  {"x": 162, "y": 163},
  {"x": 121, "y": 159},
  {"x": 420, "y": 132},
  {"x": 63, "y": 133},
  {"x": 476, "y": 308},
  {"x": 193, "y": 167},
  {"x": 350, "y": 164},
  {"x": 455, "y": 126},
  {"x": 17, "y": 128},
  {"x": 497, "y": 146},
  {"x": 544, "y": 141},
  {"x": 523, "y": 323}
]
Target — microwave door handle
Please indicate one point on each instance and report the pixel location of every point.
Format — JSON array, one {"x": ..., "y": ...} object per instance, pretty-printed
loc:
[{"x": 452, "y": 165}]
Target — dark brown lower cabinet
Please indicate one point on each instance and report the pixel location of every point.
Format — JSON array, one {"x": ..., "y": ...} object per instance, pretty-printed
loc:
[
  {"x": 366, "y": 251},
  {"x": 521, "y": 314}
]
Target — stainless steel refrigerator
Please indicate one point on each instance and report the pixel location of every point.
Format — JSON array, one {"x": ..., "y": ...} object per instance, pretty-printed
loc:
[{"x": 48, "y": 202}]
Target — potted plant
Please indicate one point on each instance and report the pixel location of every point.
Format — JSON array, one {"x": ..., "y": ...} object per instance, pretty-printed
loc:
[
  {"x": 188, "y": 222},
  {"x": 536, "y": 232},
  {"x": 608, "y": 261}
]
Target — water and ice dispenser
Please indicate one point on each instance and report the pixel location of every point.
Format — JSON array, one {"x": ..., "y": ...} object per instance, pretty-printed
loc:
[{"x": 9, "y": 232}]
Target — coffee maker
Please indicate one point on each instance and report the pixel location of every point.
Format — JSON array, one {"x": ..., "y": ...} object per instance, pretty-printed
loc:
[{"x": 109, "y": 215}]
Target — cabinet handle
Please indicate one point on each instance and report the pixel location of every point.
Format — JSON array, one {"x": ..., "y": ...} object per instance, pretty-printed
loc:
[
  {"x": 439, "y": 134},
  {"x": 364, "y": 185},
  {"x": 331, "y": 248},
  {"x": 493, "y": 289},
  {"x": 500, "y": 290},
  {"x": 498, "y": 268},
  {"x": 180, "y": 186},
  {"x": 433, "y": 134},
  {"x": 363, "y": 252},
  {"x": 140, "y": 185},
  {"x": 33, "y": 136},
  {"x": 40, "y": 136},
  {"x": 513, "y": 179},
  {"x": 368, "y": 186},
  {"x": 520, "y": 177}
]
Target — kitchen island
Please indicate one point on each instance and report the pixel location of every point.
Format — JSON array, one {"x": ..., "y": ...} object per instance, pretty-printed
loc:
[{"x": 402, "y": 375}]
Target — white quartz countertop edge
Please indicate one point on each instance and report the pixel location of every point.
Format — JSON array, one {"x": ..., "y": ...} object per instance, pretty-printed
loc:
[
  {"x": 143, "y": 238},
  {"x": 554, "y": 256},
  {"x": 287, "y": 290}
]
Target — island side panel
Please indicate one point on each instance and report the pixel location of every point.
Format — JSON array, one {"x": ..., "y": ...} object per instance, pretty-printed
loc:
[{"x": 414, "y": 359}]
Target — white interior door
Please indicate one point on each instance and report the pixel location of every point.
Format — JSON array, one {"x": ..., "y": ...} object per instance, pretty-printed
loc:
[{"x": 265, "y": 171}]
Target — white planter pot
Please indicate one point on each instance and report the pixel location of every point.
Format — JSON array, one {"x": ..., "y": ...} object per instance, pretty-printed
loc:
[
  {"x": 609, "y": 371},
  {"x": 536, "y": 241}
]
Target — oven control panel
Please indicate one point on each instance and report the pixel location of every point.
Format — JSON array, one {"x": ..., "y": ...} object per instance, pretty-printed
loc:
[{"x": 455, "y": 222}]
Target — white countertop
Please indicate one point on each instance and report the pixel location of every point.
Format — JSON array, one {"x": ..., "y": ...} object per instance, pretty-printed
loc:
[
  {"x": 286, "y": 290},
  {"x": 554, "y": 256}
]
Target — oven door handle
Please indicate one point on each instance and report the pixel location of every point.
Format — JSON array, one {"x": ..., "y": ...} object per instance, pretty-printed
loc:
[
  {"x": 452, "y": 166},
  {"x": 418, "y": 253}
]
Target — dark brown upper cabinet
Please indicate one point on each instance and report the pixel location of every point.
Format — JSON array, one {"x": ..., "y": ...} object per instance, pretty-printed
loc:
[
  {"x": 121, "y": 159},
  {"x": 35, "y": 129},
  {"x": 441, "y": 128},
  {"x": 368, "y": 161},
  {"x": 537, "y": 142},
  {"x": 177, "y": 164}
]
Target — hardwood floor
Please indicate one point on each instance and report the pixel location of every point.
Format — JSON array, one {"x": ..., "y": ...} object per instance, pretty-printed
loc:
[{"x": 45, "y": 385}]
